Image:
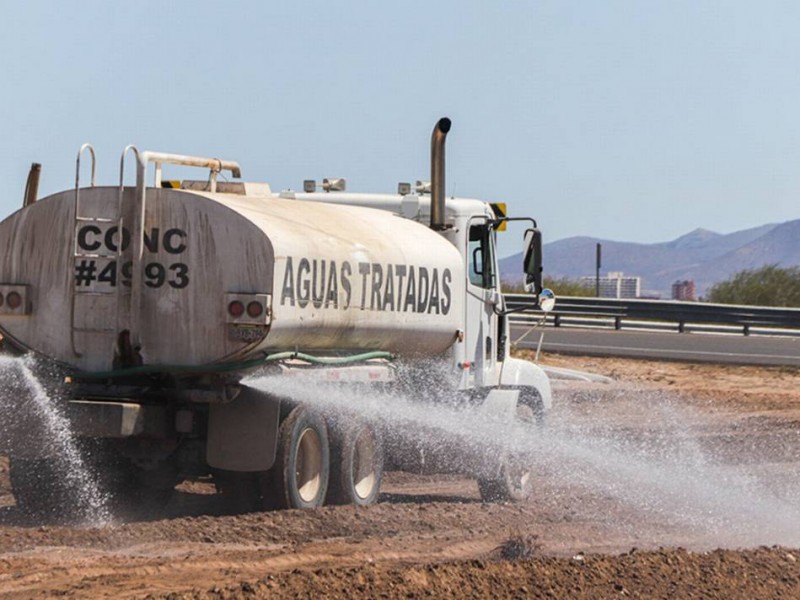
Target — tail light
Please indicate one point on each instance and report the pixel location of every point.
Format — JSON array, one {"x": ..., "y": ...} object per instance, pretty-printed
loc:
[
  {"x": 255, "y": 309},
  {"x": 14, "y": 300},
  {"x": 248, "y": 309},
  {"x": 236, "y": 309}
]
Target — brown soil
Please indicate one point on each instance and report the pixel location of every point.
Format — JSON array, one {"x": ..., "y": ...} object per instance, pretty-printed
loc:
[{"x": 432, "y": 535}]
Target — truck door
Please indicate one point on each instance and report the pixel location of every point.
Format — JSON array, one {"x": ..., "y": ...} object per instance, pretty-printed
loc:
[{"x": 482, "y": 295}]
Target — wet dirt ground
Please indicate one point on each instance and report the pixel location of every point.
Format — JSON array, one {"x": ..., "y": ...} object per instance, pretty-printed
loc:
[{"x": 432, "y": 536}]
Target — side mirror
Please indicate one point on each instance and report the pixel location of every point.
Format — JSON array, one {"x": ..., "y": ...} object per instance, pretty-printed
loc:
[
  {"x": 547, "y": 300},
  {"x": 532, "y": 261}
]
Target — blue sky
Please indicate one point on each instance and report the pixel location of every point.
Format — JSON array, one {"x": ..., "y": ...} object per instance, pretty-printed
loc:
[{"x": 634, "y": 121}]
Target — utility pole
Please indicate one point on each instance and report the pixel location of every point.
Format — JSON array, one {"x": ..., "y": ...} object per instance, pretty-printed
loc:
[{"x": 597, "y": 271}]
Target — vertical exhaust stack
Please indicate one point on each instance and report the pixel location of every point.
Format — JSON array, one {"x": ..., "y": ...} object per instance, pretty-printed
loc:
[
  {"x": 437, "y": 173},
  {"x": 32, "y": 186}
]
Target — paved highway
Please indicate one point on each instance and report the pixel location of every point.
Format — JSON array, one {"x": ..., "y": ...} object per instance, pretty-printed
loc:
[{"x": 695, "y": 347}]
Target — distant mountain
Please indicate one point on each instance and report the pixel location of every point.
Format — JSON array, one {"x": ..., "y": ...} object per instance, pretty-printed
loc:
[{"x": 701, "y": 255}]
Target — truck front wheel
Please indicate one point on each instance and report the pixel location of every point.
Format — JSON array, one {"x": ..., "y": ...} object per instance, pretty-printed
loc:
[
  {"x": 514, "y": 480},
  {"x": 299, "y": 477},
  {"x": 356, "y": 464}
]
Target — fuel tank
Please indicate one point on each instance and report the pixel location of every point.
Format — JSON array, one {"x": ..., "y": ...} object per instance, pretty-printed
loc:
[{"x": 328, "y": 278}]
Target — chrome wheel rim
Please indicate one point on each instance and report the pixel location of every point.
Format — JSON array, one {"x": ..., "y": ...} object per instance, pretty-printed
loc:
[
  {"x": 308, "y": 471},
  {"x": 364, "y": 475}
]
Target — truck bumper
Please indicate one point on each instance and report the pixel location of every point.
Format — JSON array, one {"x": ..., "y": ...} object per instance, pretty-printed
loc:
[{"x": 117, "y": 419}]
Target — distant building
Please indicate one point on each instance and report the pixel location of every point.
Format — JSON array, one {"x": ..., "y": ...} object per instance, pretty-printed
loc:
[
  {"x": 684, "y": 290},
  {"x": 616, "y": 285}
]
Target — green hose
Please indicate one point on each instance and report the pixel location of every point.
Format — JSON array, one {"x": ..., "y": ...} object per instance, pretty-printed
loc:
[{"x": 237, "y": 366}]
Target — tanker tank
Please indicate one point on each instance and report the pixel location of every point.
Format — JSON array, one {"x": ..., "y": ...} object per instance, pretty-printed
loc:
[{"x": 226, "y": 277}]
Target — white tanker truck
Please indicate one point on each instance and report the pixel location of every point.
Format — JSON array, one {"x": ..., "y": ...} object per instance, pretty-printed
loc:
[{"x": 155, "y": 302}]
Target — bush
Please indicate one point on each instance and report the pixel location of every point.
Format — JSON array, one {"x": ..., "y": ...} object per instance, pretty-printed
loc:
[{"x": 768, "y": 286}]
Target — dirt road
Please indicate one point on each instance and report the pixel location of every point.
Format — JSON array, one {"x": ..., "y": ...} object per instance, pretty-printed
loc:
[{"x": 640, "y": 482}]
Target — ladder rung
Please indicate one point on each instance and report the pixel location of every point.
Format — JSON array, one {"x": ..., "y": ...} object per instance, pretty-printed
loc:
[
  {"x": 95, "y": 293},
  {"x": 96, "y": 220}
]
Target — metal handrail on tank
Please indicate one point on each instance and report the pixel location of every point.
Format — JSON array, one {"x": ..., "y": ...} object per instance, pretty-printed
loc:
[
  {"x": 77, "y": 216},
  {"x": 121, "y": 325},
  {"x": 214, "y": 165},
  {"x": 122, "y": 169},
  {"x": 90, "y": 148}
]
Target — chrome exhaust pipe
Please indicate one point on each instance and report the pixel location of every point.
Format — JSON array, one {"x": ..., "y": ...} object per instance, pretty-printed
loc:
[{"x": 437, "y": 173}]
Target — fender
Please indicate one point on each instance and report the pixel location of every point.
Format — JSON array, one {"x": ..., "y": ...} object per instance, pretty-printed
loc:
[{"x": 522, "y": 373}]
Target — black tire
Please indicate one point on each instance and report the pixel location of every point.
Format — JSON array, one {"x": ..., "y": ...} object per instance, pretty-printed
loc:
[
  {"x": 299, "y": 477},
  {"x": 240, "y": 490},
  {"x": 134, "y": 492},
  {"x": 514, "y": 481},
  {"x": 149, "y": 490},
  {"x": 356, "y": 464},
  {"x": 39, "y": 488},
  {"x": 46, "y": 489}
]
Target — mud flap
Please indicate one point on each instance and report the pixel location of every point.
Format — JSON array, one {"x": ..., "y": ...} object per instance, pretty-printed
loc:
[{"x": 243, "y": 434}]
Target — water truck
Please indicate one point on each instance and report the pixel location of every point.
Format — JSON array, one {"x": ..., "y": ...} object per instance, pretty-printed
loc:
[{"x": 155, "y": 302}]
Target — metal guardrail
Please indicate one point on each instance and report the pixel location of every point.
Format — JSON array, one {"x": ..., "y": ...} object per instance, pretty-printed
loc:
[{"x": 662, "y": 314}]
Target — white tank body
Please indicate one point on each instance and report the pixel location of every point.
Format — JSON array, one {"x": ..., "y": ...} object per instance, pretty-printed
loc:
[{"x": 336, "y": 278}]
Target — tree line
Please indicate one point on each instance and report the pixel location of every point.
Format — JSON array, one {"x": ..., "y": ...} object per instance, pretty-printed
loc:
[{"x": 769, "y": 285}]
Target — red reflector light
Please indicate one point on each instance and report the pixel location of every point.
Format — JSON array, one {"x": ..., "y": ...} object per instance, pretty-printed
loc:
[
  {"x": 236, "y": 309},
  {"x": 14, "y": 300},
  {"x": 254, "y": 309}
]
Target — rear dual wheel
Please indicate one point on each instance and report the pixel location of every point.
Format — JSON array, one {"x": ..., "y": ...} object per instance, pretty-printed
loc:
[
  {"x": 43, "y": 487},
  {"x": 299, "y": 477},
  {"x": 356, "y": 464},
  {"x": 39, "y": 488},
  {"x": 314, "y": 464}
]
